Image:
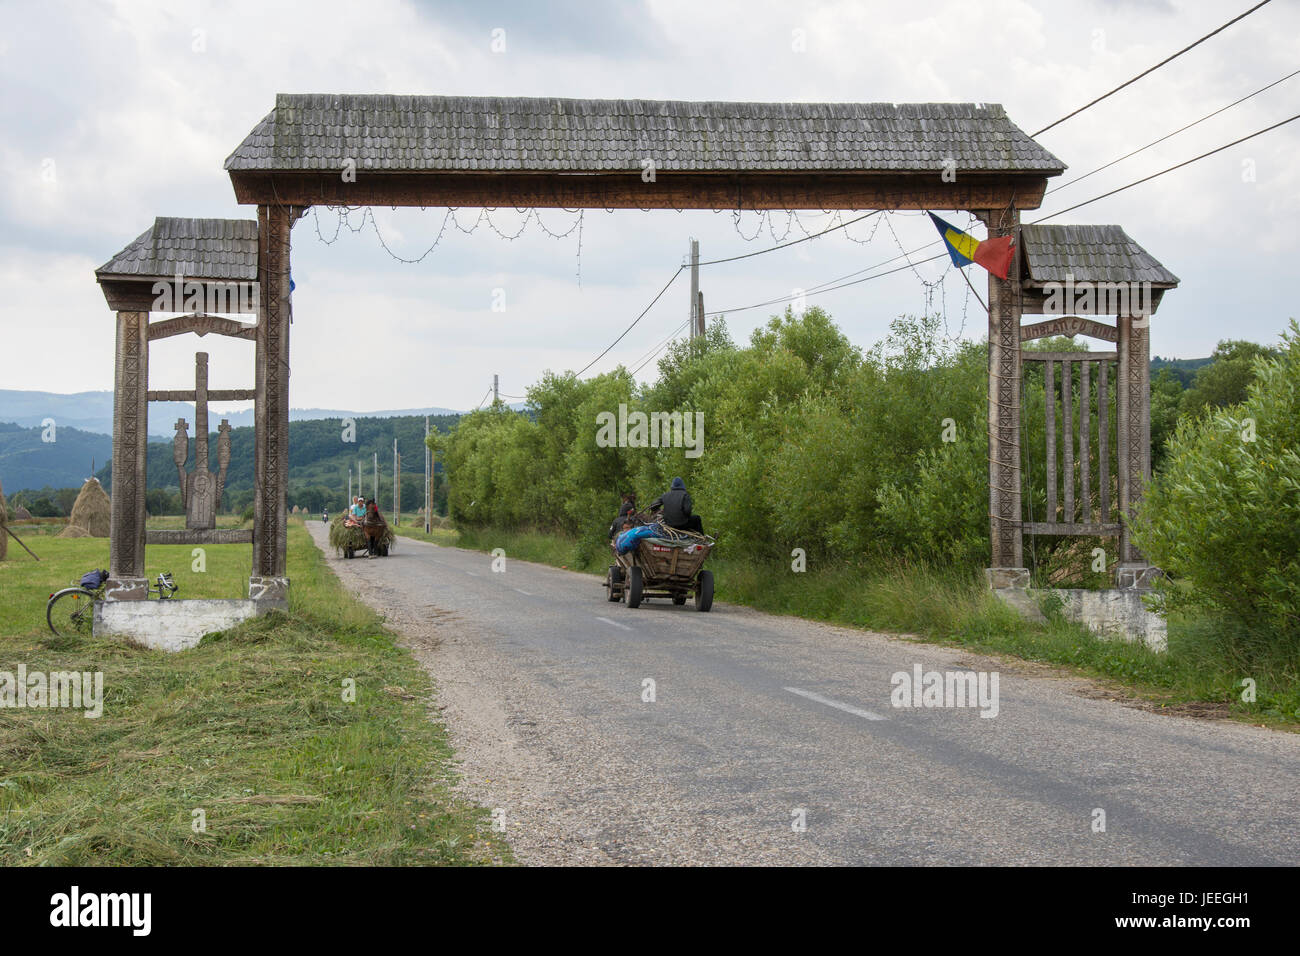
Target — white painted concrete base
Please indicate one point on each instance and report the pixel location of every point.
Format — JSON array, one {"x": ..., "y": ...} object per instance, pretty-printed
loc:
[
  {"x": 1110, "y": 612},
  {"x": 174, "y": 625}
]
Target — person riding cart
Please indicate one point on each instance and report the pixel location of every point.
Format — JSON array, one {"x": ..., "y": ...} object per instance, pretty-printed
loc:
[
  {"x": 626, "y": 510},
  {"x": 677, "y": 508}
]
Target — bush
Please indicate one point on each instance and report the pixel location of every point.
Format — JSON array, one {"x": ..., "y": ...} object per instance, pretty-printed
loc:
[{"x": 1223, "y": 517}]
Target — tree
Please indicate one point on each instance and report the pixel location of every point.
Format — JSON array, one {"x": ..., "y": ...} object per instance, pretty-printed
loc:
[
  {"x": 1223, "y": 516},
  {"x": 1166, "y": 401},
  {"x": 1224, "y": 381}
]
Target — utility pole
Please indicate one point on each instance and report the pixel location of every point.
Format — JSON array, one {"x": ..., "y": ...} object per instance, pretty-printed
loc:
[
  {"x": 496, "y": 389},
  {"x": 695, "y": 286},
  {"x": 397, "y": 484},
  {"x": 428, "y": 481},
  {"x": 349, "y": 486},
  {"x": 375, "y": 485},
  {"x": 699, "y": 313}
]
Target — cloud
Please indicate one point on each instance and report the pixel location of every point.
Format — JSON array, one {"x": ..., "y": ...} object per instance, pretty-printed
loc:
[{"x": 149, "y": 98}]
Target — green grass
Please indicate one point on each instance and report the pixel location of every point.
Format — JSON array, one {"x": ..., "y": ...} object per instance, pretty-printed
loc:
[
  {"x": 1205, "y": 662},
  {"x": 250, "y": 727}
]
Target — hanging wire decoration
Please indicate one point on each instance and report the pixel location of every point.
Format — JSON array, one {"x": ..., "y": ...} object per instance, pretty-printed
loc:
[
  {"x": 789, "y": 224},
  {"x": 928, "y": 285},
  {"x": 735, "y": 221},
  {"x": 343, "y": 216},
  {"x": 581, "y": 214},
  {"x": 867, "y": 241}
]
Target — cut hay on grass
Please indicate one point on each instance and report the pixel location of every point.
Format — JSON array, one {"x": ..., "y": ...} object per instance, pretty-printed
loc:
[{"x": 90, "y": 512}]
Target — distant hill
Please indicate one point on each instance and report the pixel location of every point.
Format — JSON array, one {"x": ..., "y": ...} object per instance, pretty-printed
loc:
[
  {"x": 319, "y": 457},
  {"x": 28, "y": 462},
  {"x": 1183, "y": 369},
  {"x": 93, "y": 412}
]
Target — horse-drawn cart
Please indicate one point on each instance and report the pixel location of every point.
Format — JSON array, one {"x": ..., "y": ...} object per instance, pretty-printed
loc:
[
  {"x": 352, "y": 536},
  {"x": 668, "y": 563}
]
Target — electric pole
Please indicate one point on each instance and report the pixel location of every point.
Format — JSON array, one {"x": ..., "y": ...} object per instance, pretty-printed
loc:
[
  {"x": 496, "y": 389},
  {"x": 695, "y": 287},
  {"x": 397, "y": 485},
  {"x": 428, "y": 481},
  {"x": 375, "y": 485}
]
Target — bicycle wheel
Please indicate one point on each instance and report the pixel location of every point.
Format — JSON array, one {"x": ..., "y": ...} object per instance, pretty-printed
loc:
[{"x": 71, "y": 612}]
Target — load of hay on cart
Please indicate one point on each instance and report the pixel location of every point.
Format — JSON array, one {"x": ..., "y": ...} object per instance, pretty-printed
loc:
[
  {"x": 351, "y": 536},
  {"x": 655, "y": 560}
]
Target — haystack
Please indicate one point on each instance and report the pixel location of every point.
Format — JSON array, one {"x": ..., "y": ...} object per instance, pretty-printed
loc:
[
  {"x": 342, "y": 536},
  {"x": 90, "y": 512},
  {"x": 21, "y": 514},
  {"x": 4, "y": 523}
]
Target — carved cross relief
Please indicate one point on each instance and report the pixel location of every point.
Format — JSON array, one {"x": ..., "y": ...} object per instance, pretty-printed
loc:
[{"x": 201, "y": 489}]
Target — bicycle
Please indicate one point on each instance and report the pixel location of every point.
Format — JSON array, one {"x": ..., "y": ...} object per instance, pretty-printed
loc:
[{"x": 72, "y": 610}]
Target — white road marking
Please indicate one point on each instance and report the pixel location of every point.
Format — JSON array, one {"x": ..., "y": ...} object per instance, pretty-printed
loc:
[
  {"x": 522, "y": 591},
  {"x": 838, "y": 705},
  {"x": 615, "y": 623},
  {"x": 472, "y": 574}
]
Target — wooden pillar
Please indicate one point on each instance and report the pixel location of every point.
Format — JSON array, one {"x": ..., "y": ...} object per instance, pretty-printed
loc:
[
  {"x": 126, "y": 581},
  {"x": 1133, "y": 401},
  {"x": 1006, "y": 567},
  {"x": 269, "y": 579}
]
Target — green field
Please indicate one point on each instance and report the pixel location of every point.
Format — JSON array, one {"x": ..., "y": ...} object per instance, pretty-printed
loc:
[{"x": 251, "y": 728}]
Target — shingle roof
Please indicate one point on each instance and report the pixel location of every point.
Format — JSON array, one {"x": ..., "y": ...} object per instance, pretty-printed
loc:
[
  {"x": 461, "y": 133},
  {"x": 220, "y": 249},
  {"x": 1089, "y": 254}
]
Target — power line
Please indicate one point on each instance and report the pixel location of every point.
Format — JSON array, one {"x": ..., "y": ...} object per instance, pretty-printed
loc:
[
  {"x": 817, "y": 291},
  {"x": 483, "y": 399},
  {"x": 1152, "y": 69},
  {"x": 1187, "y": 162},
  {"x": 644, "y": 360},
  {"x": 880, "y": 275},
  {"x": 676, "y": 273},
  {"x": 1181, "y": 129},
  {"x": 747, "y": 255}
]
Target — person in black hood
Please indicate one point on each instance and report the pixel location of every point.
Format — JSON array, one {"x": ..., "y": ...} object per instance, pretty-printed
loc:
[
  {"x": 676, "y": 504},
  {"x": 625, "y": 512}
]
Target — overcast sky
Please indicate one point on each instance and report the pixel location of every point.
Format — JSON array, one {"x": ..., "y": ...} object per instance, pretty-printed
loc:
[{"x": 135, "y": 112}]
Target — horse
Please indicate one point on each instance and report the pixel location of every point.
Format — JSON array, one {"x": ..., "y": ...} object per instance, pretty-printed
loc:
[{"x": 374, "y": 526}]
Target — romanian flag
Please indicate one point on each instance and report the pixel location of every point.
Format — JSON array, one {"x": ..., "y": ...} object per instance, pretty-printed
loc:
[{"x": 993, "y": 254}]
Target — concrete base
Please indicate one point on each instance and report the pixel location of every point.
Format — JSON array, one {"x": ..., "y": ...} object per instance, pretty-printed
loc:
[
  {"x": 126, "y": 589},
  {"x": 1000, "y": 578},
  {"x": 1136, "y": 577},
  {"x": 173, "y": 625},
  {"x": 268, "y": 589},
  {"x": 1109, "y": 613},
  {"x": 1019, "y": 598}
]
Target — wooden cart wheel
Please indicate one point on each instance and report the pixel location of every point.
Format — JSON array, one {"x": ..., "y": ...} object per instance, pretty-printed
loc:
[
  {"x": 679, "y": 598},
  {"x": 704, "y": 591},
  {"x": 633, "y": 586},
  {"x": 612, "y": 580}
]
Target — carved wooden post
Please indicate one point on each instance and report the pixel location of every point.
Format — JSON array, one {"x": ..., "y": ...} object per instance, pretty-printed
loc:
[
  {"x": 271, "y": 441},
  {"x": 1007, "y": 564},
  {"x": 126, "y": 580},
  {"x": 1133, "y": 401}
]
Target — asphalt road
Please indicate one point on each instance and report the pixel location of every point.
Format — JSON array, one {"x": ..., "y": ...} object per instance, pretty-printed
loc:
[{"x": 759, "y": 723}]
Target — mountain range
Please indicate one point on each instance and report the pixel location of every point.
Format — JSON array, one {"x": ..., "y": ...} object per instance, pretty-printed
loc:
[{"x": 93, "y": 412}]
